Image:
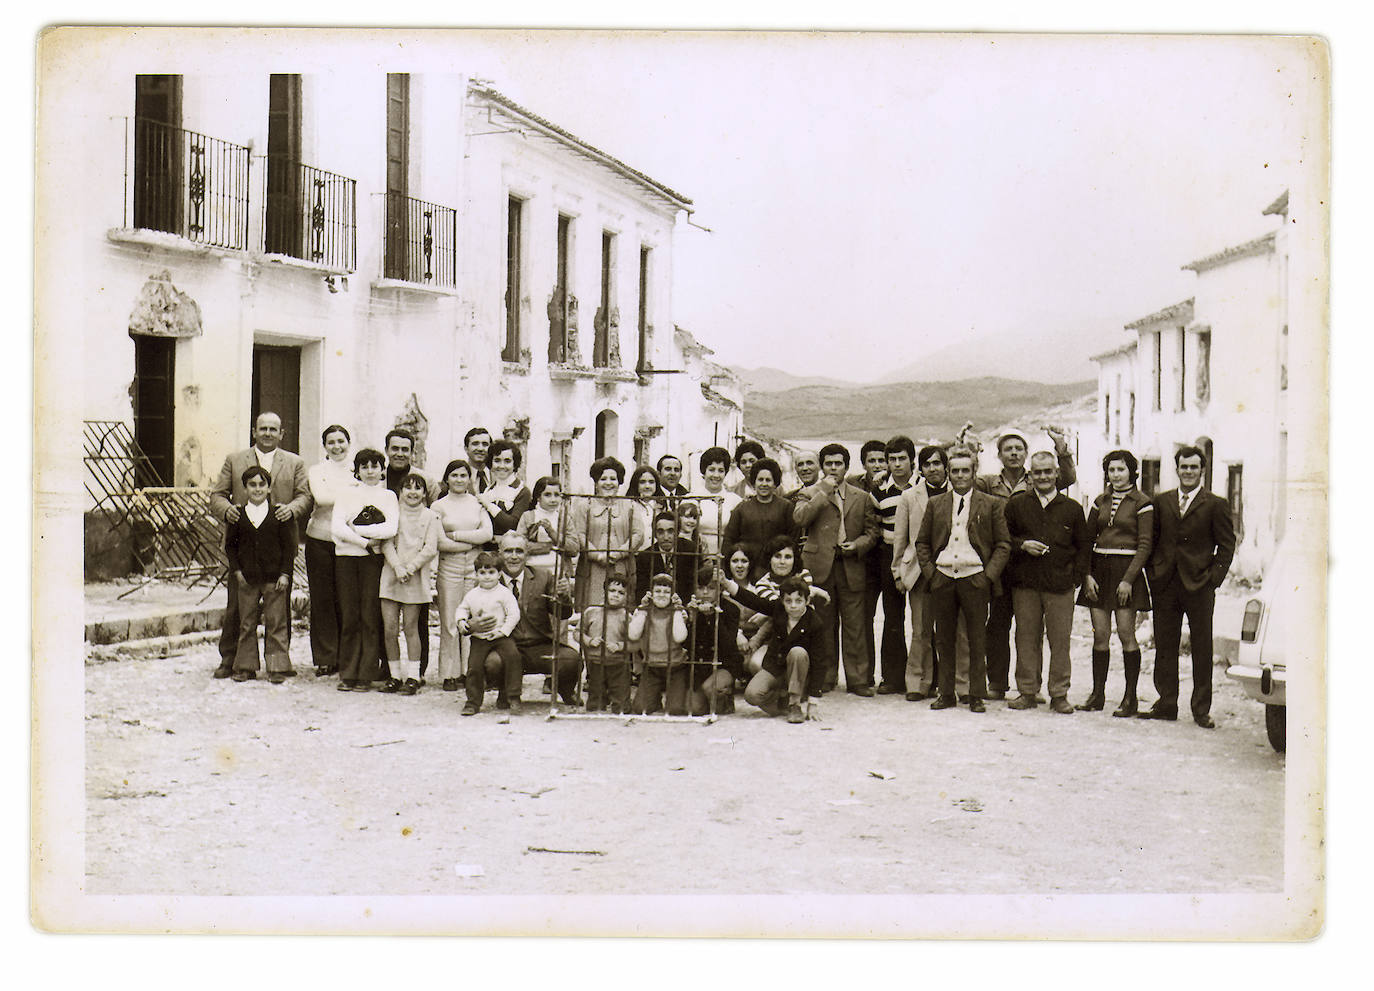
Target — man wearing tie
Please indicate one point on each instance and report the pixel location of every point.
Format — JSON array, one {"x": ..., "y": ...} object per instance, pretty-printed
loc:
[
  {"x": 290, "y": 493},
  {"x": 962, "y": 546},
  {"x": 841, "y": 524},
  {"x": 476, "y": 442},
  {"x": 1194, "y": 544}
]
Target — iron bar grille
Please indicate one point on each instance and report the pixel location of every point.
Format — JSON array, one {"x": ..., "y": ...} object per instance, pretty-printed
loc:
[
  {"x": 420, "y": 242},
  {"x": 310, "y": 214},
  {"x": 188, "y": 184}
]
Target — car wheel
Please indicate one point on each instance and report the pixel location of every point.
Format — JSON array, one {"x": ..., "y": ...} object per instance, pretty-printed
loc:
[{"x": 1276, "y": 725}]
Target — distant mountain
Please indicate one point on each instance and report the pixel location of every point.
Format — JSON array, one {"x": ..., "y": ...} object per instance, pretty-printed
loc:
[
  {"x": 775, "y": 380},
  {"x": 1059, "y": 356},
  {"x": 922, "y": 410}
]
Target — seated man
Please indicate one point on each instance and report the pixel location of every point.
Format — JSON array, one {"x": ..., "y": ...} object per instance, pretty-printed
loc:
[{"x": 539, "y": 625}]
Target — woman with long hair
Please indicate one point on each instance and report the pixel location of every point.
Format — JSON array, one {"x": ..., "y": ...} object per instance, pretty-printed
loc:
[
  {"x": 1121, "y": 522},
  {"x": 647, "y": 492},
  {"x": 465, "y": 527}
]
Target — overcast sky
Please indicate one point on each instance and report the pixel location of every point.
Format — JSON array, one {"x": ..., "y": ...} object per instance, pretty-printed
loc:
[{"x": 874, "y": 198}]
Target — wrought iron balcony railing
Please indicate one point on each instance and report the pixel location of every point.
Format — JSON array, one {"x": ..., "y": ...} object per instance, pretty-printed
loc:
[
  {"x": 186, "y": 183},
  {"x": 421, "y": 240},
  {"x": 310, "y": 214}
]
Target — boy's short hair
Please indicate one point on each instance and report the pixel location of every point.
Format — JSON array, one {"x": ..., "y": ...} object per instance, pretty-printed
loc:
[
  {"x": 661, "y": 579},
  {"x": 794, "y": 583},
  {"x": 256, "y": 471},
  {"x": 706, "y": 575},
  {"x": 617, "y": 580},
  {"x": 665, "y": 517},
  {"x": 869, "y": 446},
  {"x": 487, "y": 559},
  {"x": 902, "y": 443}
]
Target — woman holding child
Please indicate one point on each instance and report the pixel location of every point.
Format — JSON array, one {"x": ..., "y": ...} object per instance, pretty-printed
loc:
[{"x": 465, "y": 527}]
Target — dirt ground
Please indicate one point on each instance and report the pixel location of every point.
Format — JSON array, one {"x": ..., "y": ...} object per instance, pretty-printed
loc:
[{"x": 204, "y": 787}]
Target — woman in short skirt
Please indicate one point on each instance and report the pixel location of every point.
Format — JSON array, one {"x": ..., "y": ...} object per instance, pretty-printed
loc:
[{"x": 1122, "y": 524}]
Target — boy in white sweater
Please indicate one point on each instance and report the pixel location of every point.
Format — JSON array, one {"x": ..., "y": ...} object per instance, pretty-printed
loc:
[{"x": 492, "y": 652}]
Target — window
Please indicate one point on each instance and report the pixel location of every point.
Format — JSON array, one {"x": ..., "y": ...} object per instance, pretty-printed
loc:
[
  {"x": 604, "y": 348},
  {"x": 607, "y": 434},
  {"x": 644, "y": 330},
  {"x": 558, "y": 305},
  {"x": 510, "y": 351},
  {"x": 1157, "y": 371},
  {"x": 1107, "y": 415},
  {"x": 1235, "y": 497},
  {"x": 560, "y": 460},
  {"x": 1182, "y": 369},
  {"x": 1204, "y": 367},
  {"x": 397, "y": 172},
  {"x": 157, "y": 153},
  {"x": 1118, "y": 410},
  {"x": 284, "y": 195},
  {"x": 1149, "y": 476}
]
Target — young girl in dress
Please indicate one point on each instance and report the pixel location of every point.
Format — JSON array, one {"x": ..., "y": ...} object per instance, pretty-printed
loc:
[
  {"x": 539, "y": 526},
  {"x": 406, "y": 581}
]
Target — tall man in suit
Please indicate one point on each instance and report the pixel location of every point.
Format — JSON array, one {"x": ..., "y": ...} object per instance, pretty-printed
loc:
[
  {"x": 290, "y": 493},
  {"x": 1194, "y": 544},
  {"x": 841, "y": 523},
  {"x": 962, "y": 546},
  {"x": 1013, "y": 478}
]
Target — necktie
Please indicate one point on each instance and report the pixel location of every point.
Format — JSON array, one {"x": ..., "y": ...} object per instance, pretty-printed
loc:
[{"x": 961, "y": 506}]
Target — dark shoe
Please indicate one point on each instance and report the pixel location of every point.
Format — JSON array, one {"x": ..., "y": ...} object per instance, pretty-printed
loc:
[
  {"x": 1062, "y": 707},
  {"x": 242, "y": 676},
  {"x": 1126, "y": 708},
  {"x": 888, "y": 690},
  {"x": 277, "y": 678},
  {"x": 573, "y": 699},
  {"x": 515, "y": 707},
  {"x": 392, "y": 686},
  {"x": 863, "y": 691},
  {"x": 1022, "y": 702},
  {"x": 915, "y": 696},
  {"x": 976, "y": 705},
  {"x": 794, "y": 714},
  {"x": 471, "y": 708},
  {"x": 1095, "y": 702},
  {"x": 450, "y": 684},
  {"x": 965, "y": 699},
  {"x": 547, "y": 687},
  {"x": 944, "y": 702},
  {"x": 1039, "y": 699},
  {"x": 345, "y": 686},
  {"x": 408, "y": 687},
  {"x": 1206, "y": 722},
  {"x": 502, "y": 702},
  {"x": 223, "y": 671},
  {"x": 997, "y": 694},
  {"x": 1155, "y": 712}
]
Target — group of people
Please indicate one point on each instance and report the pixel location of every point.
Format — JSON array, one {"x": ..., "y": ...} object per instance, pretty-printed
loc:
[{"x": 670, "y": 599}]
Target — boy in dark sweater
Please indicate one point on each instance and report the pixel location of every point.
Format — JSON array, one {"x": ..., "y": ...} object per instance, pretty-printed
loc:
[
  {"x": 262, "y": 551},
  {"x": 713, "y": 655}
]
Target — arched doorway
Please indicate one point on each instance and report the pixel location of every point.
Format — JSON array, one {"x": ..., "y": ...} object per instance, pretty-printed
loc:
[{"x": 607, "y": 434}]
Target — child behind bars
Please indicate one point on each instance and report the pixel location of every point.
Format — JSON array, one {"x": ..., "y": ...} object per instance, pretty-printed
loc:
[
  {"x": 606, "y": 649},
  {"x": 659, "y": 628},
  {"x": 713, "y": 655}
]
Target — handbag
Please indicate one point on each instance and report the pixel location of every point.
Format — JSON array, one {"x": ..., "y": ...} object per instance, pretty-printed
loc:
[{"x": 369, "y": 516}]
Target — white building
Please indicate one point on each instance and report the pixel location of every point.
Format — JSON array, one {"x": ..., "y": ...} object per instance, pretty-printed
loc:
[
  {"x": 1210, "y": 371},
  {"x": 374, "y": 249}
]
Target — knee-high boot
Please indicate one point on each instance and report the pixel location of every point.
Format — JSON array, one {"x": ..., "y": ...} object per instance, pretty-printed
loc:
[
  {"x": 1129, "y": 705},
  {"x": 1098, "y": 699}
]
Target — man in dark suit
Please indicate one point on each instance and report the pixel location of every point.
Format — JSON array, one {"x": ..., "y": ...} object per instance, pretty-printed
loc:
[
  {"x": 668, "y": 555},
  {"x": 542, "y": 603},
  {"x": 841, "y": 524},
  {"x": 290, "y": 494},
  {"x": 1194, "y": 544},
  {"x": 476, "y": 443},
  {"x": 962, "y": 547}
]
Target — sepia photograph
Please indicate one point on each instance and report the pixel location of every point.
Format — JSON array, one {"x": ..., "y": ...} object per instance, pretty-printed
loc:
[{"x": 680, "y": 483}]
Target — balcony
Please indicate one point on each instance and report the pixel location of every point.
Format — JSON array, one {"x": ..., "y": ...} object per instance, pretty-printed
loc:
[
  {"x": 186, "y": 184},
  {"x": 421, "y": 242},
  {"x": 310, "y": 214}
]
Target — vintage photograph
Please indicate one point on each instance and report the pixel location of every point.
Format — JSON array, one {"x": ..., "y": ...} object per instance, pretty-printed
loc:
[{"x": 680, "y": 483}]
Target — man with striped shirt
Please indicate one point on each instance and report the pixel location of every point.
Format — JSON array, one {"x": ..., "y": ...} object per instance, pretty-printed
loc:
[{"x": 901, "y": 457}]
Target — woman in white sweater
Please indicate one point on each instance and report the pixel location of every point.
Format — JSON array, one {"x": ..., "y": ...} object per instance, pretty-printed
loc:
[
  {"x": 365, "y": 516},
  {"x": 327, "y": 479}
]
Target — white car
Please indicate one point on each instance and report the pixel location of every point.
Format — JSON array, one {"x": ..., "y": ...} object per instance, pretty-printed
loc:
[{"x": 1261, "y": 663}]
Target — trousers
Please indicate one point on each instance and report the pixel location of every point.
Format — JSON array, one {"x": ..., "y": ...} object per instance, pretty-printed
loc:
[
  {"x": 1172, "y": 604},
  {"x": 1038, "y": 615},
  {"x": 953, "y": 598}
]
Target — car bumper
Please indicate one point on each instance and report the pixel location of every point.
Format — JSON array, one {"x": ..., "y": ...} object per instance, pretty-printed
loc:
[{"x": 1255, "y": 682}]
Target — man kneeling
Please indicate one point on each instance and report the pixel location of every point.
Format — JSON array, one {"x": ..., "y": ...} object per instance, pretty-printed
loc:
[{"x": 793, "y": 635}]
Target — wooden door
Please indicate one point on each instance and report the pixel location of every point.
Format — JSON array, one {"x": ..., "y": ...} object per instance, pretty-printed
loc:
[
  {"x": 277, "y": 389},
  {"x": 157, "y": 153},
  {"x": 154, "y": 406},
  {"x": 285, "y": 205}
]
